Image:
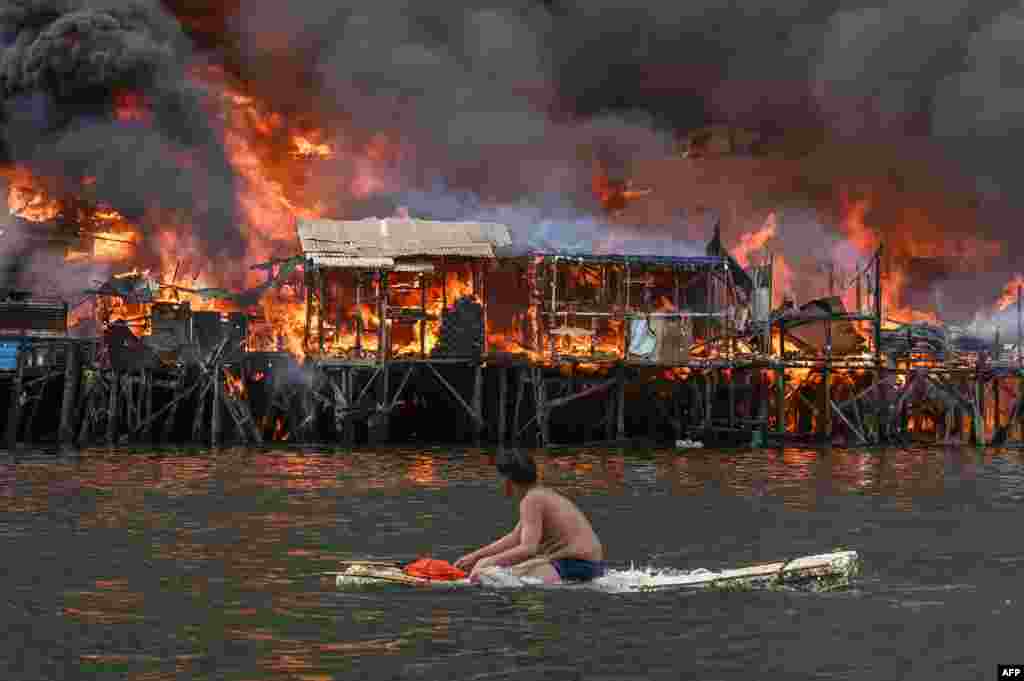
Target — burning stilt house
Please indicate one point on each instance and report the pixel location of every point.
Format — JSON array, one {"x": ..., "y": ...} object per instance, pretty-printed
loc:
[{"x": 380, "y": 287}]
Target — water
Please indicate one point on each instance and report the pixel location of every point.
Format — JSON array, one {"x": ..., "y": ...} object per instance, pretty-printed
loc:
[{"x": 192, "y": 565}]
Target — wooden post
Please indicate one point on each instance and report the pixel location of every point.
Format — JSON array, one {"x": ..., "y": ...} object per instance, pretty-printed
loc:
[
  {"x": 423, "y": 313},
  {"x": 67, "y": 403},
  {"x": 349, "y": 388},
  {"x": 381, "y": 419},
  {"x": 444, "y": 289},
  {"x": 147, "y": 432},
  {"x": 382, "y": 313},
  {"x": 478, "y": 397},
  {"x": 860, "y": 297},
  {"x": 169, "y": 420},
  {"x": 502, "y": 403},
  {"x": 708, "y": 397},
  {"x": 877, "y": 321},
  {"x": 732, "y": 396},
  {"x": 482, "y": 294},
  {"x": 540, "y": 390},
  {"x": 87, "y": 410},
  {"x": 826, "y": 387},
  {"x": 14, "y": 409},
  {"x": 113, "y": 405},
  {"x": 215, "y": 406},
  {"x": 358, "y": 277},
  {"x": 340, "y": 316},
  {"x": 979, "y": 411},
  {"x": 307, "y": 277},
  {"x": 997, "y": 418},
  {"x": 321, "y": 308},
  {"x": 620, "y": 402},
  {"x": 308, "y": 430}
]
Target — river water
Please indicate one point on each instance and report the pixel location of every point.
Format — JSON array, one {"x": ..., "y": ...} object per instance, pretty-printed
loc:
[{"x": 197, "y": 565}]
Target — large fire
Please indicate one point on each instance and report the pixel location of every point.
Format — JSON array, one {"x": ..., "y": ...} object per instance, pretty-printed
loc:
[
  {"x": 270, "y": 198},
  {"x": 275, "y": 159}
]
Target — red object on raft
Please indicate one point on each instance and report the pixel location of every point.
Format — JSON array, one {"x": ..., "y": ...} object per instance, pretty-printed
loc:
[{"x": 434, "y": 569}]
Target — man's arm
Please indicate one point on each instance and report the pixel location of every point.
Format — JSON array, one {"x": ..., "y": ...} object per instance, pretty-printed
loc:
[
  {"x": 531, "y": 530},
  {"x": 509, "y": 540}
]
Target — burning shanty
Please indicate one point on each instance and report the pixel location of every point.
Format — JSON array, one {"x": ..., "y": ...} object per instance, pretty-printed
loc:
[{"x": 389, "y": 233}]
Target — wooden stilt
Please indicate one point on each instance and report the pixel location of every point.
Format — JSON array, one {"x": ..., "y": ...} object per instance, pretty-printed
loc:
[
  {"x": 66, "y": 431},
  {"x": 308, "y": 428},
  {"x": 37, "y": 403},
  {"x": 321, "y": 307},
  {"x": 826, "y": 385},
  {"x": 172, "y": 414},
  {"x": 677, "y": 411},
  {"x": 520, "y": 396},
  {"x": 997, "y": 417},
  {"x": 308, "y": 281},
  {"x": 979, "y": 412},
  {"x": 478, "y": 402},
  {"x": 382, "y": 315},
  {"x": 200, "y": 415},
  {"x": 215, "y": 406},
  {"x": 708, "y": 397},
  {"x": 732, "y": 397},
  {"x": 502, "y": 403},
  {"x": 620, "y": 402},
  {"x": 113, "y": 406},
  {"x": 349, "y": 389},
  {"x": 540, "y": 390},
  {"x": 696, "y": 407},
  {"x": 15, "y": 406},
  {"x": 88, "y": 411},
  {"x": 130, "y": 413},
  {"x": 380, "y": 420}
]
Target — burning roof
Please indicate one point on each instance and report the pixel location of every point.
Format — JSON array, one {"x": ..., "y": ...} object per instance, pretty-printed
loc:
[{"x": 376, "y": 242}]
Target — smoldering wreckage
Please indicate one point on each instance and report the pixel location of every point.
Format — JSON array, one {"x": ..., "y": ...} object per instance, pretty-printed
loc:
[{"x": 395, "y": 326}]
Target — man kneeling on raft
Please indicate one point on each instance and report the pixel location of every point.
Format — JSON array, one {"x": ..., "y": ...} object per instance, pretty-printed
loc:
[{"x": 553, "y": 540}]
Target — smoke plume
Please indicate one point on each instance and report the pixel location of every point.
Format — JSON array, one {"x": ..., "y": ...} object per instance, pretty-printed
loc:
[{"x": 68, "y": 68}]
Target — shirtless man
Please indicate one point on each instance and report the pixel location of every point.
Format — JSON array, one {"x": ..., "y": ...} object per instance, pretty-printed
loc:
[{"x": 553, "y": 540}]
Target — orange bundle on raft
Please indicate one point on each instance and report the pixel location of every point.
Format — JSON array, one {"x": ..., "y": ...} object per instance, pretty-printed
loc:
[{"x": 434, "y": 569}]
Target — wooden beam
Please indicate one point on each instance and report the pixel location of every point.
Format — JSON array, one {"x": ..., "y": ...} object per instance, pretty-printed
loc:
[
  {"x": 112, "y": 408},
  {"x": 456, "y": 395},
  {"x": 66, "y": 431},
  {"x": 620, "y": 402},
  {"x": 502, "y": 402},
  {"x": 478, "y": 396},
  {"x": 218, "y": 388},
  {"x": 171, "y": 406},
  {"x": 321, "y": 308},
  {"x": 592, "y": 390},
  {"x": 849, "y": 424},
  {"x": 543, "y": 422},
  {"x": 15, "y": 406}
]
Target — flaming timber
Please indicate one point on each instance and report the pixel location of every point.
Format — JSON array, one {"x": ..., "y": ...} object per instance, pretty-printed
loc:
[{"x": 414, "y": 328}]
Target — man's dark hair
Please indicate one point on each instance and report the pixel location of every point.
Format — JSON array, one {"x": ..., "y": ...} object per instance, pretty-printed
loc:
[{"x": 518, "y": 467}]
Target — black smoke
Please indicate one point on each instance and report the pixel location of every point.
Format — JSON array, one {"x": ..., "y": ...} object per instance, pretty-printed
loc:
[
  {"x": 66, "y": 65},
  {"x": 512, "y": 98}
]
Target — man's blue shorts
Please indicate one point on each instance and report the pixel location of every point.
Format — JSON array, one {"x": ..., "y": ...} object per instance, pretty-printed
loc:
[{"x": 577, "y": 569}]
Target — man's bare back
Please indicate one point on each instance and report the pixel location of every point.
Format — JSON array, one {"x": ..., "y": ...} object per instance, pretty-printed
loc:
[
  {"x": 553, "y": 540},
  {"x": 565, "y": 531}
]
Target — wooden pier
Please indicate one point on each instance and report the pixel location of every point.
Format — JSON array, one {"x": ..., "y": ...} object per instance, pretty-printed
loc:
[{"x": 594, "y": 349}]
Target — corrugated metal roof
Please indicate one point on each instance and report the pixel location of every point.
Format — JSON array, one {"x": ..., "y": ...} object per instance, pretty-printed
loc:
[
  {"x": 335, "y": 260},
  {"x": 397, "y": 237},
  {"x": 693, "y": 261}
]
